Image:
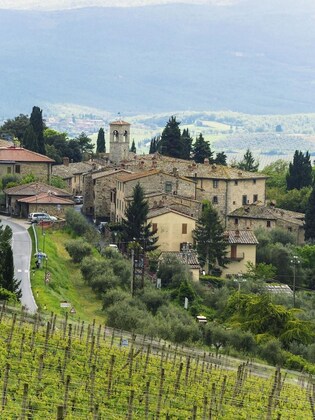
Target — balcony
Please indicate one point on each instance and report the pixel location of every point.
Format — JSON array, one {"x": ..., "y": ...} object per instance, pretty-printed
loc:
[{"x": 235, "y": 257}]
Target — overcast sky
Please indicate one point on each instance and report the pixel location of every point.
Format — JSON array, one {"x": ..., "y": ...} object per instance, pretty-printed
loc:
[{"x": 70, "y": 4}]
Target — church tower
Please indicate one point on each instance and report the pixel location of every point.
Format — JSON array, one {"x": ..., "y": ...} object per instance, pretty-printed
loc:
[{"x": 119, "y": 141}]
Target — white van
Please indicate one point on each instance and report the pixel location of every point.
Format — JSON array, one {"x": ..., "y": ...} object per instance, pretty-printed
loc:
[{"x": 37, "y": 217}]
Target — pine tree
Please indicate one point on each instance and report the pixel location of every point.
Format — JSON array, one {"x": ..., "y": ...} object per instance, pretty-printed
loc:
[
  {"x": 309, "y": 226},
  {"x": 133, "y": 147},
  {"x": 221, "y": 159},
  {"x": 300, "y": 171},
  {"x": 186, "y": 144},
  {"x": 135, "y": 227},
  {"x": 7, "y": 280},
  {"x": 170, "y": 143},
  {"x": 211, "y": 243},
  {"x": 37, "y": 123},
  {"x": 248, "y": 162},
  {"x": 100, "y": 143},
  {"x": 201, "y": 150}
]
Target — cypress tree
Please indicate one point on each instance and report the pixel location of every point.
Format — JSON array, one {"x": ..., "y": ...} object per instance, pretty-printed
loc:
[
  {"x": 309, "y": 226},
  {"x": 100, "y": 143},
  {"x": 133, "y": 147},
  {"x": 186, "y": 144},
  {"x": 300, "y": 171},
  {"x": 7, "y": 280},
  {"x": 220, "y": 159},
  {"x": 30, "y": 139},
  {"x": 201, "y": 150},
  {"x": 170, "y": 143},
  {"x": 37, "y": 123},
  {"x": 209, "y": 236}
]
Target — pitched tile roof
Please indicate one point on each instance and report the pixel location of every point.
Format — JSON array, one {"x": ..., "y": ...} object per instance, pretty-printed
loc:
[
  {"x": 67, "y": 171},
  {"x": 18, "y": 154},
  {"x": 190, "y": 258},
  {"x": 46, "y": 198},
  {"x": 241, "y": 237},
  {"x": 36, "y": 188},
  {"x": 104, "y": 173},
  {"x": 119, "y": 122},
  {"x": 164, "y": 210},
  {"x": 137, "y": 175}
]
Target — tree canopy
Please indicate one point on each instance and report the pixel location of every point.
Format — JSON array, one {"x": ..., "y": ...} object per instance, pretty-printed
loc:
[
  {"x": 300, "y": 171},
  {"x": 100, "y": 143},
  {"x": 171, "y": 142},
  {"x": 248, "y": 162},
  {"x": 201, "y": 150}
]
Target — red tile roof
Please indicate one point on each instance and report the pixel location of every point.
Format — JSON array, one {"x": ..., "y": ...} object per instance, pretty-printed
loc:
[
  {"x": 245, "y": 237},
  {"x": 120, "y": 122},
  {"x": 18, "y": 154},
  {"x": 34, "y": 188},
  {"x": 45, "y": 198}
]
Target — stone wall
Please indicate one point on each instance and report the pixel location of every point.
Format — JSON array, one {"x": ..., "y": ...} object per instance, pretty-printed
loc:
[{"x": 41, "y": 170}]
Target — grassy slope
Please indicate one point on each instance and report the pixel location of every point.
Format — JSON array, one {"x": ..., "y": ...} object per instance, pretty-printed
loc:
[{"x": 66, "y": 283}]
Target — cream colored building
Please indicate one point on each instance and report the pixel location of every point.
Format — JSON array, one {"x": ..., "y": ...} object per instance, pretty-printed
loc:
[
  {"x": 241, "y": 250},
  {"x": 173, "y": 228}
]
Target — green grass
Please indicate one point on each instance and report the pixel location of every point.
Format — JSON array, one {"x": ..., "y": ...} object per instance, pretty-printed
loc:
[{"x": 65, "y": 284}]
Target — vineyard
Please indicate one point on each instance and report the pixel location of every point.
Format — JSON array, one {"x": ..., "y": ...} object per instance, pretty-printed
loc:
[{"x": 52, "y": 369}]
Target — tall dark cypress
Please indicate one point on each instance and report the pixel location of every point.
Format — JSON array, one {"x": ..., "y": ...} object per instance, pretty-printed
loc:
[
  {"x": 37, "y": 123},
  {"x": 170, "y": 143},
  {"x": 300, "y": 171},
  {"x": 100, "y": 144},
  {"x": 309, "y": 226}
]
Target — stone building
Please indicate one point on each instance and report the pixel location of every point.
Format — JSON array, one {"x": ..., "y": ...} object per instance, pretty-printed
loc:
[
  {"x": 21, "y": 162},
  {"x": 14, "y": 196},
  {"x": 119, "y": 141},
  {"x": 153, "y": 181},
  {"x": 46, "y": 203},
  {"x": 256, "y": 216}
]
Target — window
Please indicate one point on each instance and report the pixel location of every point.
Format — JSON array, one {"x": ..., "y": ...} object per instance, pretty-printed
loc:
[
  {"x": 244, "y": 200},
  {"x": 236, "y": 182},
  {"x": 235, "y": 221},
  {"x": 168, "y": 187},
  {"x": 154, "y": 227},
  {"x": 17, "y": 169},
  {"x": 255, "y": 198},
  {"x": 289, "y": 229},
  {"x": 215, "y": 199},
  {"x": 184, "y": 228},
  {"x": 254, "y": 181},
  {"x": 268, "y": 223},
  {"x": 215, "y": 183}
]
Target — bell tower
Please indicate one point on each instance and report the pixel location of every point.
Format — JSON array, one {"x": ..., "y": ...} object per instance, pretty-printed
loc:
[{"x": 119, "y": 141}]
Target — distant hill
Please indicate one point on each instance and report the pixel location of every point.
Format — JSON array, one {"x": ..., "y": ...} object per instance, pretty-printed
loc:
[{"x": 251, "y": 56}]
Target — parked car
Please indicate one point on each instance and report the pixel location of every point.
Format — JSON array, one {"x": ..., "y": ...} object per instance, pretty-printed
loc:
[
  {"x": 38, "y": 217},
  {"x": 78, "y": 199}
]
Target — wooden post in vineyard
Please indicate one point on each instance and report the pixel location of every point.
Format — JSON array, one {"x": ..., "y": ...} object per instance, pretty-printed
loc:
[
  {"x": 158, "y": 409},
  {"x": 5, "y": 385},
  {"x": 22, "y": 346},
  {"x": 178, "y": 376},
  {"x": 53, "y": 325},
  {"x": 60, "y": 413},
  {"x": 92, "y": 388},
  {"x": 147, "y": 358},
  {"x": 194, "y": 412},
  {"x": 187, "y": 370},
  {"x": 130, "y": 404},
  {"x": 2, "y": 311},
  {"x": 24, "y": 401},
  {"x": 81, "y": 331},
  {"x": 65, "y": 401},
  {"x": 46, "y": 339},
  {"x": 110, "y": 375},
  {"x": 65, "y": 325},
  {"x": 147, "y": 393},
  {"x": 11, "y": 334},
  {"x": 98, "y": 336},
  {"x": 212, "y": 402}
]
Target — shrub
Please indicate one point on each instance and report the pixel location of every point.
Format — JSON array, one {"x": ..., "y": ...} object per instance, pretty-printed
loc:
[
  {"x": 153, "y": 299},
  {"x": 78, "y": 249},
  {"x": 271, "y": 352},
  {"x": 79, "y": 225}
]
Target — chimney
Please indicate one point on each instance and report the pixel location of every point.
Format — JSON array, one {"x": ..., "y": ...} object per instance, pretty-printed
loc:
[
  {"x": 206, "y": 161},
  {"x": 65, "y": 161},
  {"x": 175, "y": 171},
  {"x": 237, "y": 234},
  {"x": 214, "y": 167}
]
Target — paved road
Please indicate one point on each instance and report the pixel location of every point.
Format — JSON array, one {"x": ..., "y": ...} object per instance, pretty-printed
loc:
[{"x": 22, "y": 248}]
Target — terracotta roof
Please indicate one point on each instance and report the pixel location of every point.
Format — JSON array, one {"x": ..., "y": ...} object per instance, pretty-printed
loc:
[
  {"x": 36, "y": 188},
  {"x": 67, "y": 171},
  {"x": 18, "y": 154},
  {"x": 190, "y": 169},
  {"x": 45, "y": 198},
  {"x": 190, "y": 257},
  {"x": 104, "y": 173},
  {"x": 119, "y": 122},
  {"x": 245, "y": 237},
  {"x": 164, "y": 210},
  {"x": 138, "y": 175},
  {"x": 253, "y": 211}
]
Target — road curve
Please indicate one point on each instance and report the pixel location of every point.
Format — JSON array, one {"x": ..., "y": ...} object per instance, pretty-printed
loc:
[{"x": 22, "y": 248}]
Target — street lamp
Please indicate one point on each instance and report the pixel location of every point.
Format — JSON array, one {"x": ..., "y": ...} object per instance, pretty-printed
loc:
[{"x": 295, "y": 261}]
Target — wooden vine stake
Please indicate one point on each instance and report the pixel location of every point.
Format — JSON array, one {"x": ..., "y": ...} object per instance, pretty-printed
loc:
[
  {"x": 24, "y": 402},
  {"x": 130, "y": 404},
  {"x": 147, "y": 393},
  {"x": 158, "y": 409},
  {"x": 5, "y": 385}
]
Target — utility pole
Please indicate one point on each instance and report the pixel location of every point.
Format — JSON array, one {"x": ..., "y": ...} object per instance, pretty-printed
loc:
[{"x": 295, "y": 261}]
